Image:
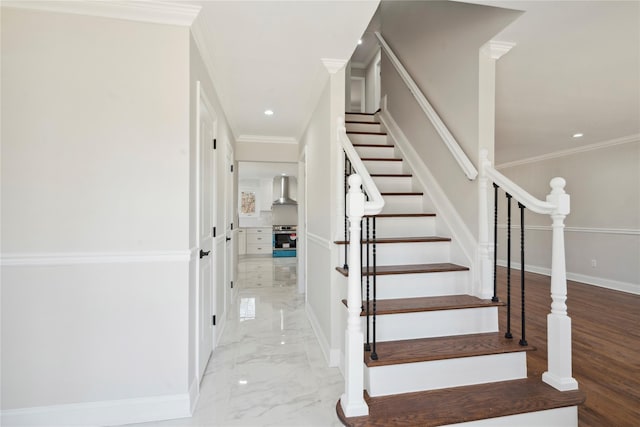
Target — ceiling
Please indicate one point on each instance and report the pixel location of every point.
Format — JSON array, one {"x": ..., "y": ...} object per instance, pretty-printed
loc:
[
  {"x": 575, "y": 69},
  {"x": 268, "y": 55}
]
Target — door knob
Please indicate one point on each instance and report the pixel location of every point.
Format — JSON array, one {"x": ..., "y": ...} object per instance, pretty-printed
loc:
[
  {"x": 228, "y": 238},
  {"x": 203, "y": 253}
]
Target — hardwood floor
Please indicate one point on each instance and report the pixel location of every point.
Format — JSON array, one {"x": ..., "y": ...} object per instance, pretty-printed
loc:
[{"x": 606, "y": 344}]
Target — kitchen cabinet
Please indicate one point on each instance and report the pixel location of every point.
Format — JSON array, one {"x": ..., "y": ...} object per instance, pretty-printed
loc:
[
  {"x": 259, "y": 240},
  {"x": 242, "y": 241}
]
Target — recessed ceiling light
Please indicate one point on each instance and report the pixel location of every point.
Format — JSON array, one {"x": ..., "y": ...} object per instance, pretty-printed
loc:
[
  {"x": 360, "y": 41},
  {"x": 578, "y": 135},
  {"x": 268, "y": 112}
]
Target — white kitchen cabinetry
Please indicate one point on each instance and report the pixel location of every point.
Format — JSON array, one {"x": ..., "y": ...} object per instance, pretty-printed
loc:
[
  {"x": 242, "y": 241},
  {"x": 259, "y": 240}
]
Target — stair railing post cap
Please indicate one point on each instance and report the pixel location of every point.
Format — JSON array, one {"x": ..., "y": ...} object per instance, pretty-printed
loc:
[{"x": 355, "y": 182}]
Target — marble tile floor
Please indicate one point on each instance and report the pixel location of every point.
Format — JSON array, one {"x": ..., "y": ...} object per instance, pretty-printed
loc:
[{"x": 267, "y": 369}]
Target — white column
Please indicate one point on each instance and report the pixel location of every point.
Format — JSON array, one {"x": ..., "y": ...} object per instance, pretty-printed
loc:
[
  {"x": 484, "y": 288},
  {"x": 352, "y": 400},
  {"x": 559, "y": 373}
]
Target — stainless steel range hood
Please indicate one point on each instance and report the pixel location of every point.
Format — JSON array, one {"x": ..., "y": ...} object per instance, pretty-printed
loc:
[{"x": 284, "y": 198}]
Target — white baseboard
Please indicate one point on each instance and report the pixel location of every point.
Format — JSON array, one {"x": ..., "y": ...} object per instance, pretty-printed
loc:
[
  {"x": 332, "y": 356},
  {"x": 103, "y": 413},
  {"x": 601, "y": 282}
]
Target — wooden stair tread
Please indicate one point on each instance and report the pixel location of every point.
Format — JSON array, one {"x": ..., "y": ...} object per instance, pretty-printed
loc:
[
  {"x": 360, "y": 122},
  {"x": 402, "y": 215},
  {"x": 440, "y": 348},
  {"x": 462, "y": 404},
  {"x": 391, "y": 175},
  {"x": 375, "y": 145},
  {"x": 360, "y": 113},
  {"x": 421, "y": 304},
  {"x": 408, "y": 269},
  {"x": 403, "y": 193},
  {"x": 380, "y": 159},
  {"x": 383, "y": 240},
  {"x": 361, "y": 132}
]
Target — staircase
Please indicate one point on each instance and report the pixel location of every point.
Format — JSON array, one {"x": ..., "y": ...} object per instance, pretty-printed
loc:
[{"x": 438, "y": 357}]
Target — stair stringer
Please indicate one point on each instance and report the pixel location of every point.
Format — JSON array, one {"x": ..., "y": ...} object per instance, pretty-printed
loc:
[{"x": 464, "y": 248}]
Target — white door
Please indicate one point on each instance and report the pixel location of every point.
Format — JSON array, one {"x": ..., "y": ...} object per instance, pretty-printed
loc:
[
  {"x": 205, "y": 221},
  {"x": 229, "y": 225}
]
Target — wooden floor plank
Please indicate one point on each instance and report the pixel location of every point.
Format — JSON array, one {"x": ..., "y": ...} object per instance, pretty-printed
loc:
[{"x": 606, "y": 344}]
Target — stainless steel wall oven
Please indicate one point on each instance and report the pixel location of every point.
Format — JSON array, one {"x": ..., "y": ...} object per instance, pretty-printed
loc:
[{"x": 284, "y": 240}]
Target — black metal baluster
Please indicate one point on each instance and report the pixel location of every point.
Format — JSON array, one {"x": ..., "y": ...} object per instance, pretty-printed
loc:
[
  {"x": 523, "y": 341},
  {"x": 374, "y": 355},
  {"x": 495, "y": 242},
  {"x": 508, "y": 333},
  {"x": 346, "y": 237},
  {"x": 367, "y": 346}
]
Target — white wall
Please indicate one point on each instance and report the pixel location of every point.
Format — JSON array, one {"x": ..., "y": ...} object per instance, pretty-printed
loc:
[
  {"x": 266, "y": 152},
  {"x": 604, "y": 223},
  {"x": 95, "y": 215},
  {"x": 370, "y": 84},
  {"x": 323, "y": 287},
  {"x": 438, "y": 43}
]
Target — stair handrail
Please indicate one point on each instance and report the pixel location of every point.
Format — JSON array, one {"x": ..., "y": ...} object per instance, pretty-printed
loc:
[
  {"x": 557, "y": 206},
  {"x": 458, "y": 154},
  {"x": 375, "y": 203}
]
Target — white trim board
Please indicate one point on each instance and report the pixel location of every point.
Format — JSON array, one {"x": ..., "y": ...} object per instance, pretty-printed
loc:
[
  {"x": 158, "y": 12},
  {"x": 266, "y": 139},
  {"x": 597, "y": 230},
  {"x": 102, "y": 413},
  {"x": 632, "y": 288},
  {"x": 73, "y": 258},
  {"x": 572, "y": 151},
  {"x": 325, "y": 243}
]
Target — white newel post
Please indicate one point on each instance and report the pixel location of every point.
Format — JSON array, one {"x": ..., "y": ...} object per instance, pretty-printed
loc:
[
  {"x": 352, "y": 400},
  {"x": 485, "y": 290},
  {"x": 559, "y": 373}
]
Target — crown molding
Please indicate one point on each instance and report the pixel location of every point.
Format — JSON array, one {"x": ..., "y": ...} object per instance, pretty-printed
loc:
[
  {"x": 571, "y": 151},
  {"x": 266, "y": 139},
  {"x": 333, "y": 65},
  {"x": 158, "y": 12},
  {"x": 496, "y": 49}
]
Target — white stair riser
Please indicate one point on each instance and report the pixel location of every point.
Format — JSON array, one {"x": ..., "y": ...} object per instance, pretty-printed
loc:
[
  {"x": 428, "y": 324},
  {"x": 393, "y": 184},
  {"x": 348, "y": 117},
  {"x": 363, "y": 127},
  {"x": 560, "y": 417},
  {"x": 422, "y": 285},
  {"x": 438, "y": 374},
  {"x": 363, "y": 138},
  {"x": 383, "y": 167},
  {"x": 405, "y": 253},
  {"x": 405, "y": 226},
  {"x": 377, "y": 152},
  {"x": 403, "y": 204}
]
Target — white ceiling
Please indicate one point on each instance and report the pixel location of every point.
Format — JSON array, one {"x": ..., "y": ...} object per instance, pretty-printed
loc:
[{"x": 268, "y": 55}]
